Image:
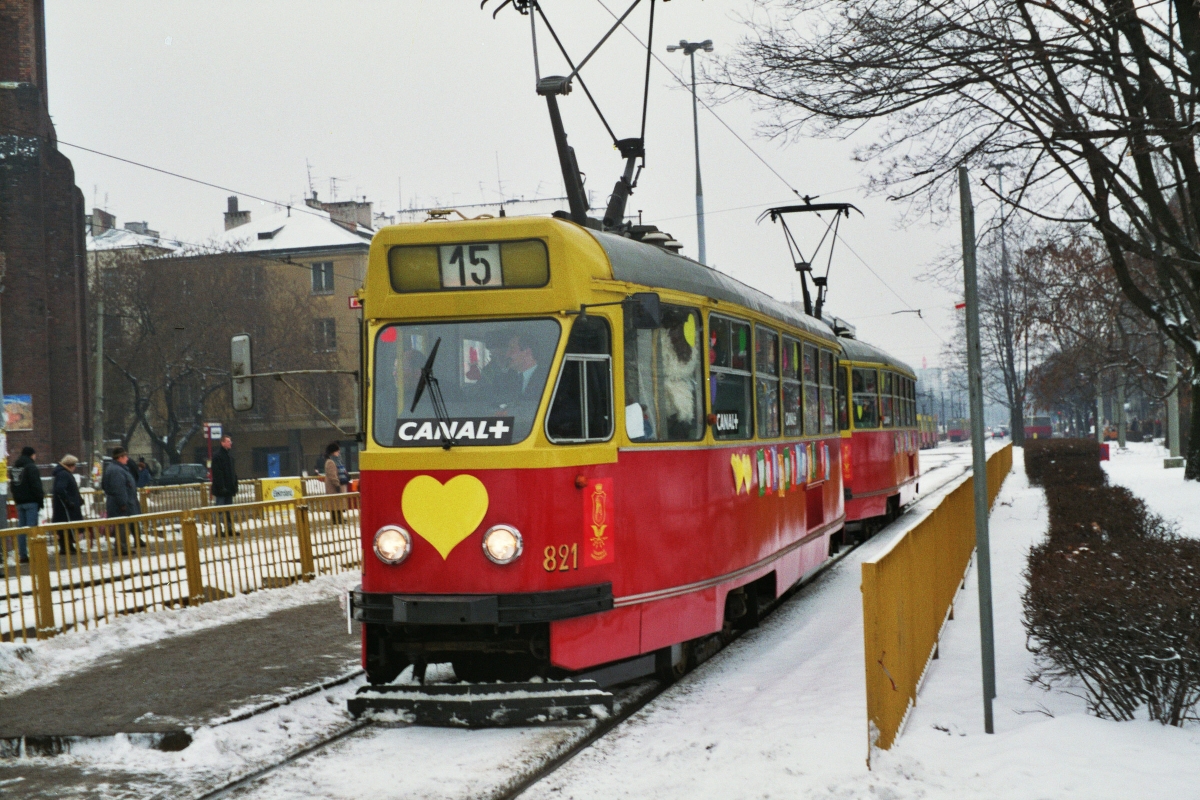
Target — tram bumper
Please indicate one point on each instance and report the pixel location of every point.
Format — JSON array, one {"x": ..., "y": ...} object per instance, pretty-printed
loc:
[
  {"x": 430, "y": 628},
  {"x": 479, "y": 609}
]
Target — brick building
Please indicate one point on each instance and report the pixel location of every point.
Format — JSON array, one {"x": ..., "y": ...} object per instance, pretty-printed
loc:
[{"x": 41, "y": 248}]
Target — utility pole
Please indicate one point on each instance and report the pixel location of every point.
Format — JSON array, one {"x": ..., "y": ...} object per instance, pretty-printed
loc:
[
  {"x": 1016, "y": 413},
  {"x": 1173, "y": 460},
  {"x": 975, "y": 387},
  {"x": 98, "y": 410},
  {"x": 689, "y": 49}
]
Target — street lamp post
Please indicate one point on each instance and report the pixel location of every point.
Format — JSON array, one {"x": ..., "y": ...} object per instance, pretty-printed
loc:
[{"x": 689, "y": 49}]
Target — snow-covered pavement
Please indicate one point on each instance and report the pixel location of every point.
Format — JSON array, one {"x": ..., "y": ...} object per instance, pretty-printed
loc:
[{"x": 1139, "y": 468}]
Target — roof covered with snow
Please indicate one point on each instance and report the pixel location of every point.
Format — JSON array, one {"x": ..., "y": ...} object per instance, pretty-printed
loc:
[
  {"x": 291, "y": 230},
  {"x": 121, "y": 239}
]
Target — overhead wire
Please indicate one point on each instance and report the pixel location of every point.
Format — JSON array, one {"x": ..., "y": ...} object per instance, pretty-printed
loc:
[
  {"x": 212, "y": 249},
  {"x": 679, "y": 79}
]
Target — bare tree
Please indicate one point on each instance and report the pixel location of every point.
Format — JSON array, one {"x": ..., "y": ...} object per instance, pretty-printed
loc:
[
  {"x": 1093, "y": 100},
  {"x": 167, "y": 328}
]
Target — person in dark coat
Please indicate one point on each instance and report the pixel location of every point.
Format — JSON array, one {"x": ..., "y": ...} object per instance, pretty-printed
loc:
[
  {"x": 27, "y": 494},
  {"x": 143, "y": 478},
  {"x": 120, "y": 495},
  {"x": 68, "y": 503},
  {"x": 224, "y": 478}
]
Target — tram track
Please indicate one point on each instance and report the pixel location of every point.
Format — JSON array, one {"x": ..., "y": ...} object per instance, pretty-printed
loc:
[{"x": 630, "y": 700}]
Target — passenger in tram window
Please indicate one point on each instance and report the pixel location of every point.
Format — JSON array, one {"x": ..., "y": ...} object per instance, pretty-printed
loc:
[{"x": 664, "y": 378}]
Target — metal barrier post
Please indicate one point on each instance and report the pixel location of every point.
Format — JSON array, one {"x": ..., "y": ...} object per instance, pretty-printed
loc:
[
  {"x": 308, "y": 569},
  {"x": 258, "y": 495},
  {"x": 39, "y": 572},
  {"x": 191, "y": 559},
  {"x": 144, "y": 500}
]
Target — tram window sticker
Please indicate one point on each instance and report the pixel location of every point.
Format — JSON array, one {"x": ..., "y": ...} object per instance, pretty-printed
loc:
[
  {"x": 485, "y": 381},
  {"x": 469, "y": 265}
]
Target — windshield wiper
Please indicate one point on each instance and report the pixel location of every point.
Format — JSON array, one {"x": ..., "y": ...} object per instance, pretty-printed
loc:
[{"x": 435, "y": 397}]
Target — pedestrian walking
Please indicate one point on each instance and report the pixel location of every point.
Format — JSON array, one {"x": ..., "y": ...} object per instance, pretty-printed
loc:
[
  {"x": 120, "y": 496},
  {"x": 143, "y": 478},
  {"x": 67, "y": 502},
  {"x": 27, "y": 494},
  {"x": 337, "y": 479},
  {"x": 224, "y": 480}
]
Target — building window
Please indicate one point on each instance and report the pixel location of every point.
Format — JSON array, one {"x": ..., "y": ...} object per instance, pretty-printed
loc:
[
  {"x": 327, "y": 394},
  {"x": 324, "y": 335},
  {"x": 252, "y": 281},
  {"x": 322, "y": 277}
]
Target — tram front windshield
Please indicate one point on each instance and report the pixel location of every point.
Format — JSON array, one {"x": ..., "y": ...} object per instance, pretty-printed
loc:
[{"x": 490, "y": 375}]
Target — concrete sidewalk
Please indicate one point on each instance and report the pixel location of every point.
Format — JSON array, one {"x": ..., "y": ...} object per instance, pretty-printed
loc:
[{"x": 190, "y": 680}]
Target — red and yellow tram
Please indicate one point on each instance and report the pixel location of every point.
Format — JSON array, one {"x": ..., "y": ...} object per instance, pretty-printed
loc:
[
  {"x": 583, "y": 449},
  {"x": 880, "y": 465}
]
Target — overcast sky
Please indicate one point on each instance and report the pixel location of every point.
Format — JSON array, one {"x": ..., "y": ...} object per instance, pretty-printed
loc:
[{"x": 426, "y": 102}]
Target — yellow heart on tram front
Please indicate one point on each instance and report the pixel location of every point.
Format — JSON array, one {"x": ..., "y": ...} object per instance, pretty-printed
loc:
[{"x": 444, "y": 514}]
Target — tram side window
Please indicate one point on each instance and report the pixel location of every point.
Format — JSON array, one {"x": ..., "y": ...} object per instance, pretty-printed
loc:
[
  {"x": 581, "y": 410},
  {"x": 912, "y": 402},
  {"x": 793, "y": 408},
  {"x": 866, "y": 398},
  {"x": 664, "y": 378},
  {"x": 886, "y": 419},
  {"x": 766, "y": 383},
  {"x": 906, "y": 401},
  {"x": 812, "y": 390},
  {"x": 827, "y": 410},
  {"x": 843, "y": 400},
  {"x": 730, "y": 384}
]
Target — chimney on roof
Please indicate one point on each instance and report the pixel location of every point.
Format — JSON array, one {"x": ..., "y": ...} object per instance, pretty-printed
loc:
[
  {"x": 102, "y": 221},
  {"x": 346, "y": 213},
  {"x": 233, "y": 217},
  {"x": 141, "y": 227}
]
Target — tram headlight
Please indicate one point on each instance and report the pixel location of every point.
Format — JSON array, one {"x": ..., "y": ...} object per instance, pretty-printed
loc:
[
  {"x": 502, "y": 544},
  {"x": 392, "y": 544}
]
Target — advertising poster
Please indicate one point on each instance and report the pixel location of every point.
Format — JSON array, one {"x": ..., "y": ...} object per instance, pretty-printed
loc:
[{"x": 18, "y": 412}]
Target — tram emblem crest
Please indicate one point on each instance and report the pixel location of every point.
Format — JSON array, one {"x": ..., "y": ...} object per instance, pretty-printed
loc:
[{"x": 598, "y": 523}]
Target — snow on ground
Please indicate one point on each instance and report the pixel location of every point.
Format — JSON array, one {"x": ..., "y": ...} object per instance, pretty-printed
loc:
[
  {"x": 1139, "y": 468},
  {"x": 783, "y": 715},
  {"x": 23, "y": 666}
]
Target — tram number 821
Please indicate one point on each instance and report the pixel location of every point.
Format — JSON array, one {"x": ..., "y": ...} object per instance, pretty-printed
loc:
[{"x": 562, "y": 559}]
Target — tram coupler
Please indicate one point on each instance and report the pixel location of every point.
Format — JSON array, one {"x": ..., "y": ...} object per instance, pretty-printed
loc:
[{"x": 482, "y": 705}]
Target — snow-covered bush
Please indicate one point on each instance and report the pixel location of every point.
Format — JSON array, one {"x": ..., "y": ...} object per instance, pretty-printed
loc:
[
  {"x": 1072, "y": 461},
  {"x": 1112, "y": 607},
  {"x": 1119, "y": 619}
]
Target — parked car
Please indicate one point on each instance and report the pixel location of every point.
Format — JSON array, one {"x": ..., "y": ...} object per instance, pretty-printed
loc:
[{"x": 177, "y": 474}]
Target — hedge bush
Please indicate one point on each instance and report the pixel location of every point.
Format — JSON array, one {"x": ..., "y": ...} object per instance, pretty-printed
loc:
[{"x": 1113, "y": 598}]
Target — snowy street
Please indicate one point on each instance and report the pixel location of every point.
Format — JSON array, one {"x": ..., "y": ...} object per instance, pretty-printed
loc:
[{"x": 779, "y": 713}]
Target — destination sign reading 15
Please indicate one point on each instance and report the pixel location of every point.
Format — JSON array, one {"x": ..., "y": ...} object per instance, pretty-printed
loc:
[
  {"x": 462, "y": 430},
  {"x": 470, "y": 266}
]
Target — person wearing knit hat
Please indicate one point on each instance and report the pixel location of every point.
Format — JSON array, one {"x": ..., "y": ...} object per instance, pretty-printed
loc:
[{"x": 68, "y": 503}]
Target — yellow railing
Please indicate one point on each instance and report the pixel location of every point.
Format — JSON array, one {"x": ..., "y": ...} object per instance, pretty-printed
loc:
[
  {"x": 82, "y": 574},
  {"x": 908, "y": 595}
]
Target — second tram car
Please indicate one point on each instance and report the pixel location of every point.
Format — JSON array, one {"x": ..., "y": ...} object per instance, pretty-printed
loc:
[
  {"x": 880, "y": 443},
  {"x": 582, "y": 449}
]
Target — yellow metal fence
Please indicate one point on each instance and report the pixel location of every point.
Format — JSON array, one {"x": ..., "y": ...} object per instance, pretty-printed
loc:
[
  {"x": 82, "y": 574},
  {"x": 908, "y": 595}
]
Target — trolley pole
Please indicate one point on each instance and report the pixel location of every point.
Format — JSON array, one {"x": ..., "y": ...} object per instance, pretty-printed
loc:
[
  {"x": 689, "y": 49},
  {"x": 975, "y": 388}
]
